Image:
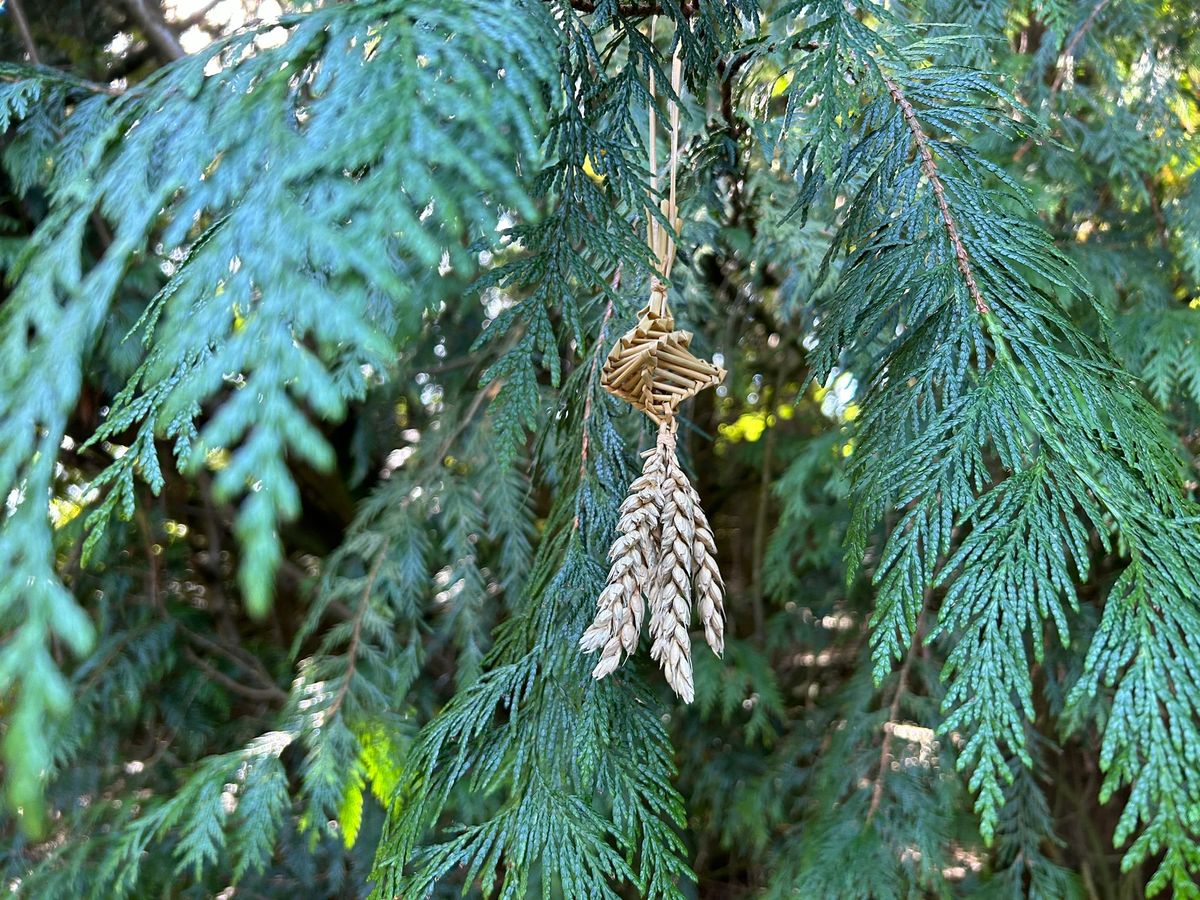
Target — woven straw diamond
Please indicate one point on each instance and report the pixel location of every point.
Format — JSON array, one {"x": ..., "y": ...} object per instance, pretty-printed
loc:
[{"x": 651, "y": 367}]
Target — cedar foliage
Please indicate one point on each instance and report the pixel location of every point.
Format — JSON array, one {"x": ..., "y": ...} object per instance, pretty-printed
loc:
[{"x": 309, "y": 478}]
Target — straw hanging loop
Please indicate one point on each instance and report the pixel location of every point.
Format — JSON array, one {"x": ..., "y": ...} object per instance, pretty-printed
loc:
[{"x": 651, "y": 367}]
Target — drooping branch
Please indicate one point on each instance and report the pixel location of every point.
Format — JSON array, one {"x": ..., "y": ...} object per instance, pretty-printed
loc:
[{"x": 929, "y": 167}]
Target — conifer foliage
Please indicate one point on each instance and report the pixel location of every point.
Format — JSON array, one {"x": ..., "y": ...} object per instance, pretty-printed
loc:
[{"x": 310, "y": 475}]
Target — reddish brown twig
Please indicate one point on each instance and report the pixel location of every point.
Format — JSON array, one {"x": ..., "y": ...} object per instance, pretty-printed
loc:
[
  {"x": 929, "y": 167},
  {"x": 1068, "y": 53},
  {"x": 246, "y": 690},
  {"x": 356, "y": 634}
]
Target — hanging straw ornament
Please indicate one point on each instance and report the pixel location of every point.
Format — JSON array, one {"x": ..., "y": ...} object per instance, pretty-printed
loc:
[{"x": 664, "y": 555}]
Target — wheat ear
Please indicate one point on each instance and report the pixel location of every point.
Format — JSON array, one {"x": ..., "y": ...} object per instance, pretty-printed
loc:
[
  {"x": 707, "y": 582},
  {"x": 633, "y": 555},
  {"x": 670, "y": 608}
]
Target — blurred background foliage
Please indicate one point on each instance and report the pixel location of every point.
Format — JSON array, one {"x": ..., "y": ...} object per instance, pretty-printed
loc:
[{"x": 346, "y": 608}]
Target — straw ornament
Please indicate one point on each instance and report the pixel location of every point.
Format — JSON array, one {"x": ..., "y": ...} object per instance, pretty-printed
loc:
[{"x": 664, "y": 555}]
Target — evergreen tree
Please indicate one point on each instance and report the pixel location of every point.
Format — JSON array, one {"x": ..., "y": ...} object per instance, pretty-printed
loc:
[{"x": 309, "y": 474}]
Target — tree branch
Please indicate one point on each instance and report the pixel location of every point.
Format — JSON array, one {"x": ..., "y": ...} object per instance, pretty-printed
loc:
[
  {"x": 26, "y": 34},
  {"x": 758, "y": 545},
  {"x": 198, "y": 17},
  {"x": 929, "y": 167},
  {"x": 236, "y": 655},
  {"x": 157, "y": 31},
  {"x": 252, "y": 693},
  {"x": 488, "y": 393}
]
